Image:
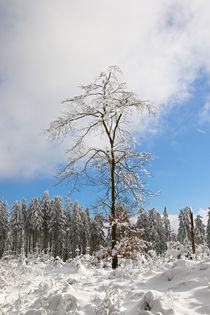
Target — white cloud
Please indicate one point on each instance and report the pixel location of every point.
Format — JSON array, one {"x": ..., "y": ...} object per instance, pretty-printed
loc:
[
  {"x": 201, "y": 131},
  {"x": 48, "y": 48},
  {"x": 204, "y": 116}
]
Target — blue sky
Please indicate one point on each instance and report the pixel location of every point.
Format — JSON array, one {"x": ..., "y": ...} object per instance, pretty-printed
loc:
[{"x": 49, "y": 48}]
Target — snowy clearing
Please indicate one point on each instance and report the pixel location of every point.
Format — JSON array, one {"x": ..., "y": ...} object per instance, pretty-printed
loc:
[{"x": 42, "y": 285}]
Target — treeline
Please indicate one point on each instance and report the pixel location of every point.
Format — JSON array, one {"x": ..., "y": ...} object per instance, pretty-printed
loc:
[
  {"x": 158, "y": 229},
  {"x": 49, "y": 226},
  {"x": 68, "y": 230}
]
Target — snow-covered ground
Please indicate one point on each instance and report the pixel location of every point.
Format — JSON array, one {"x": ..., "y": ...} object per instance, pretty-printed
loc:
[{"x": 155, "y": 286}]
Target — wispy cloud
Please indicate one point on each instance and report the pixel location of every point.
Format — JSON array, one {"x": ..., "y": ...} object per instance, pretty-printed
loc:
[
  {"x": 201, "y": 131},
  {"x": 204, "y": 116},
  {"x": 49, "y": 48}
]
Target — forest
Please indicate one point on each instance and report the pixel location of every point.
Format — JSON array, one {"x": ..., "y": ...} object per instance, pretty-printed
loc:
[{"x": 66, "y": 230}]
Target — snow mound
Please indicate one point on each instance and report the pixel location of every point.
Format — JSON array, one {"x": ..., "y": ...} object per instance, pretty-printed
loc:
[
  {"x": 61, "y": 304},
  {"x": 154, "y": 303}
]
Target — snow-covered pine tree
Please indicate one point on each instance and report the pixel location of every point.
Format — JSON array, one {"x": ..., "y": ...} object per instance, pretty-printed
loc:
[
  {"x": 208, "y": 231},
  {"x": 68, "y": 215},
  {"x": 24, "y": 209},
  {"x": 16, "y": 227},
  {"x": 199, "y": 231},
  {"x": 142, "y": 222},
  {"x": 160, "y": 243},
  {"x": 76, "y": 229},
  {"x": 86, "y": 233},
  {"x": 24, "y": 212},
  {"x": 4, "y": 225},
  {"x": 57, "y": 226},
  {"x": 153, "y": 236},
  {"x": 46, "y": 210},
  {"x": 166, "y": 226},
  {"x": 155, "y": 230},
  {"x": 97, "y": 233},
  {"x": 34, "y": 224},
  {"x": 184, "y": 234}
]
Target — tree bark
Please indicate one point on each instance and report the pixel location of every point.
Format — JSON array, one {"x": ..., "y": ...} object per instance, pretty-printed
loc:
[
  {"x": 113, "y": 212},
  {"x": 1, "y": 247},
  {"x": 45, "y": 241},
  {"x": 192, "y": 232},
  {"x": 56, "y": 247}
]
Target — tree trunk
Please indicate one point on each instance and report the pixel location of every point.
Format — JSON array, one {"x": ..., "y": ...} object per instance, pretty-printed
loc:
[
  {"x": 113, "y": 212},
  {"x": 45, "y": 241},
  {"x": 26, "y": 244},
  {"x": 192, "y": 232},
  {"x": 14, "y": 247},
  {"x": 1, "y": 247},
  {"x": 34, "y": 241},
  {"x": 56, "y": 247},
  {"x": 50, "y": 245}
]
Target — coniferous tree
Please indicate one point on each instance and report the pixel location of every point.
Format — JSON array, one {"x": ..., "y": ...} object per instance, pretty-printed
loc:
[
  {"x": 161, "y": 242},
  {"x": 97, "y": 233},
  {"x": 208, "y": 231},
  {"x": 4, "y": 226},
  {"x": 24, "y": 209},
  {"x": 153, "y": 236},
  {"x": 57, "y": 226},
  {"x": 68, "y": 219},
  {"x": 34, "y": 223},
  {"x": 46, "y": 210},
  {"x": 73, "y": 230},
  {"x": 166, "y": 226},
  {"x": 76, "y": 229},
  {"x": 16, "y": 227},
  {"x": 200, "y": 231},
  {"x": 184, "y": 234},
  {"x": 155, "y": 231},
  {"x": 24, "y": 212},
  {"x": 142, "y": 222},
  {"x": 86, "y": 233}
]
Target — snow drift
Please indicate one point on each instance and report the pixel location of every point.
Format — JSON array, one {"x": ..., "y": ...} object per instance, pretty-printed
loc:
[{"x": 43, "y": 285}]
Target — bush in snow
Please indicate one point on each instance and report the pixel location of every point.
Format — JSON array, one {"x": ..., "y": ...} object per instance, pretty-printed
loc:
[{"x": 129, "y": 242}]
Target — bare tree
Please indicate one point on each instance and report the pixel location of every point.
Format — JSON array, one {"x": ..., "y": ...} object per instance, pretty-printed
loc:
[{"x": 103, "y": 111}]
